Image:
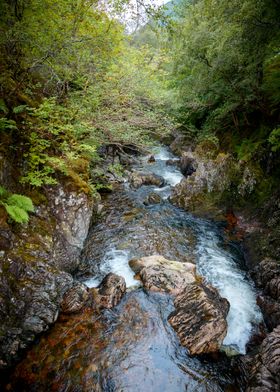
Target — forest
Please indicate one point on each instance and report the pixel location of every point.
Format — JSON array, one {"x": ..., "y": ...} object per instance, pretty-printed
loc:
[
  {"x": 73, "y": 79},
  {"x": 88, "y": 90}
]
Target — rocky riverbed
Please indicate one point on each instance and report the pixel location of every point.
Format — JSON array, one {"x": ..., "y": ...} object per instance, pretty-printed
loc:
[{"x": 157, "y": 288}]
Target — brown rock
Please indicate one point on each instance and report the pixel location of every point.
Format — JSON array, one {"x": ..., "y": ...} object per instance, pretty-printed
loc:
[
  {"x": 137, "y": 179},
  {"x": 152, "y": 198},
  {"x": 75, "y": 298},
  {"x": 200, "y": 318},
  {"x": 264, "y": 375},
  {"x": 151, "y": 159},
  {"x": 110, "y": 291},
  {"x": 160, "y": 274}
]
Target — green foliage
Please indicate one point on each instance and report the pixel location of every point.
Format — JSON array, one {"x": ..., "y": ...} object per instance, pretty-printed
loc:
[
  {"x": 226, "y": 63},
  {"x": 17, "y": 206},
  {"x": 7, "y": 125},
  {"x": 274, "y": 139}
]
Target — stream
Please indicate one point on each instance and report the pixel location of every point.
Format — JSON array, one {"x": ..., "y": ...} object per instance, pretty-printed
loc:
[{"x": 132, "y": 347}]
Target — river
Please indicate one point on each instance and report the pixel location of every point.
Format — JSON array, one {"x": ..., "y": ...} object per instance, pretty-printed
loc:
[{"x": 132, "y": 347}]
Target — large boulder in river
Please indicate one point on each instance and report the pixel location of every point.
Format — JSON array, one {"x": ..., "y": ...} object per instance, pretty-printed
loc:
[
  {"x": 137, "y": 179},
  {"x": 160, "y": 274},
  {"x": 110, "y": 291},
  {"x": 200, "y": 318},
  {"x": 200, "y": 313}
]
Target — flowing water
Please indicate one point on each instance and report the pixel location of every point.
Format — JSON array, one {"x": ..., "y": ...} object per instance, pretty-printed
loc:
[{"x": 133, "y": 347}]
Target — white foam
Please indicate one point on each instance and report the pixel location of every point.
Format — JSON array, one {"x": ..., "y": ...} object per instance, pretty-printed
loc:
[
  {"x": 115, "y": 261},
  {"x": 171, "y": 177},
  {"x": 219, "y": 268}
]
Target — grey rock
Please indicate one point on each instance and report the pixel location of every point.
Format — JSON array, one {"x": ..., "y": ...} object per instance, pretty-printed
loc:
[{"x": 160, "y": 274}]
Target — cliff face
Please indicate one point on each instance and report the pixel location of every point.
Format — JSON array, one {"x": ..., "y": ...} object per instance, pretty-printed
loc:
[{"x": 36, "y": 262}]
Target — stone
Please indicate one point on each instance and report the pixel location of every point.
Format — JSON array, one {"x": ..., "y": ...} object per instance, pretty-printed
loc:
[
  {"x": 159, "y": 274},
  {"x": 264, "y": 375},
  {"x": 207, "y": 180},
  {"x": 187, "y": 164},
  {"x": 35, "y": 269},
  {"x": 267, "y": 277},
  {"x": 199, "y": 318},
  {"x": 151, "y": 159},
  {"x": 110, "y": 291},
  {"x": 75, "y": 298},
  {"x": 152, "y": 198},
  {"x": 137, "y": 179},
  {"x": 173, "y": 162}
]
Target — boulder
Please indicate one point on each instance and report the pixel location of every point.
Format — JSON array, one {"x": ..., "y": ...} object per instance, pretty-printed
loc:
[
  {"x": 152, "y": 198},
  {"x": 207, "y": 181},
  {"x": 110, "y": 291},
  {"x": 160, "y": 274},
  {"x": 75, "y": 298},
  {"x": 264, "y": 375},
  {"x": 200, "y": 318},
  {"x": 267, "y": 277},
  {"x": 187, "y": 164},
  {"x": 151, "y": 159},
  {"x": 173, "y": 162},
  {"x": 137, "y": 179}
]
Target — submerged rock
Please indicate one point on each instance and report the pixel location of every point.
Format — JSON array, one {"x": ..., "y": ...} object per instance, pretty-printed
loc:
[
  {"x": 75, "y": 298},
  {"x": 110, "y": 291},
  {"x": 137, "y": 179},
  {"x": 200, "y": 318},
  {"x": 152, "y": 198},
  {"x": 160, "y": 274}
]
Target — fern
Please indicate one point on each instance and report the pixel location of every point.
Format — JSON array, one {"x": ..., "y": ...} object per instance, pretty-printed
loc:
[
  {"x": 18, "y": 214},
  {"x": 21, "y": 201},
  {"x": 17, "y": 206}
]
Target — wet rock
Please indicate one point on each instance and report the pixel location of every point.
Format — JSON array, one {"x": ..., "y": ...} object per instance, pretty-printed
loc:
[
  {"x": 75, "y": 298},
  {"x": 151, "y": 159},
  {"x": 202, "y": 191},
  {"x": 200, "y": 318},
  {"x": 160, "y": 274},
  {"x": 137, "y": 179},
  {"x": 34, "y": 270},
  {"x": 72, "y": 212},
  {"x": 264, "y": 374},
  {"x": 110, "y": 291},
  {"x": 173, "y": 162},
  {"x": 181, "y": 144},
  {"x": 267, "y": 277},
  {"x": 152, "y": 198},
  {"x": 187, "y": 164}
]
